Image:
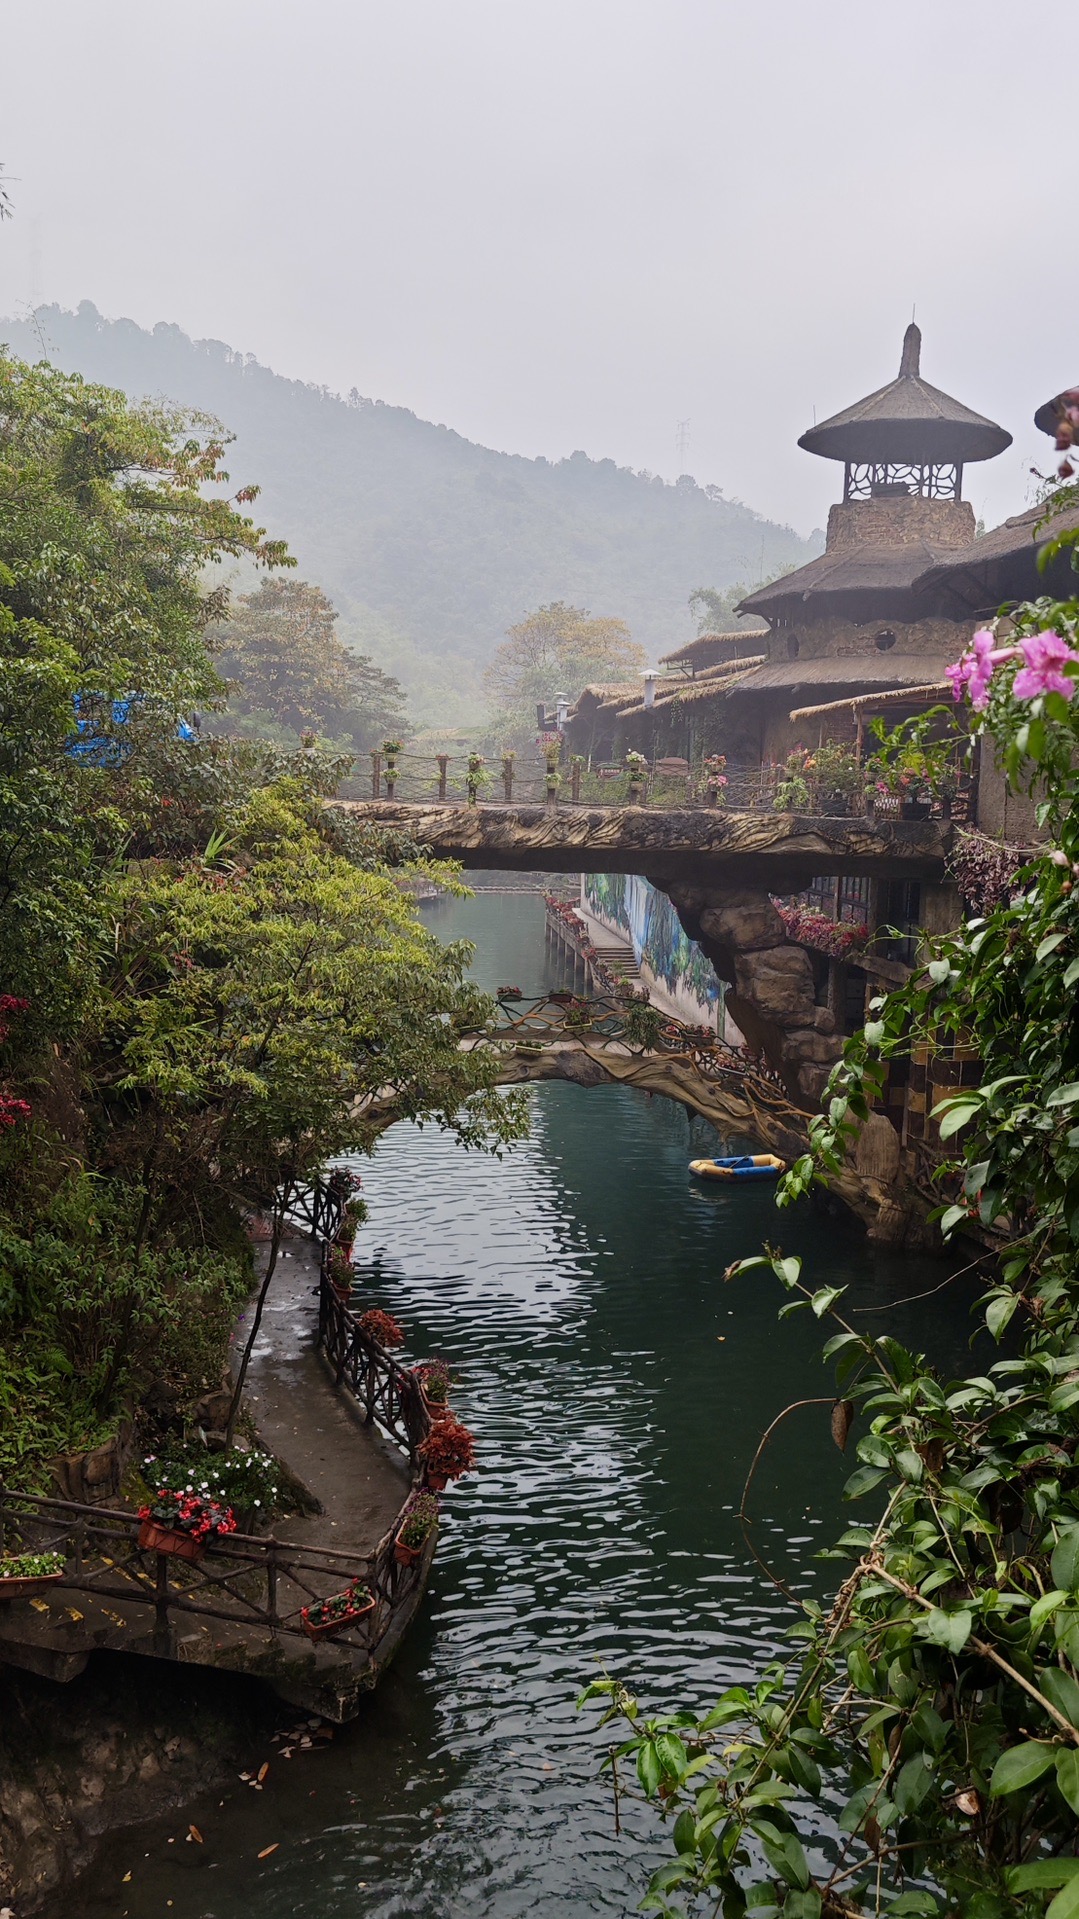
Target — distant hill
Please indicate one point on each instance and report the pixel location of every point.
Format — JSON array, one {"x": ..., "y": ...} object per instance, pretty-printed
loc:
[{"x": 429, "y": 545}]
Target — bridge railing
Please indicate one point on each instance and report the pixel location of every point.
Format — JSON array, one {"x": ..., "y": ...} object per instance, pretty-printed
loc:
[{"x": 508, "y": 780}]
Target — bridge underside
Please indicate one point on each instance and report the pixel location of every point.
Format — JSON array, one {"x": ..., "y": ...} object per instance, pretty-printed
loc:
[
  {"x": 767, "y": 852},
  {"x": 720, "y": 870}
]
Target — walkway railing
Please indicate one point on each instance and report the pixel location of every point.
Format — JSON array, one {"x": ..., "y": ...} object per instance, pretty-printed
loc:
[
  {"x": 251, "y": 1582},
  {"x": 246, "y": 1581},
  {"x": 545, "y": 1018},
  {"x": 508, "y": 780}
]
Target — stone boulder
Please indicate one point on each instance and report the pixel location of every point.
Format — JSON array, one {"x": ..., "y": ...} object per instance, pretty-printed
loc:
[
  {"x": 743, "y": 922},
  {"x": 779, "y": 982}
]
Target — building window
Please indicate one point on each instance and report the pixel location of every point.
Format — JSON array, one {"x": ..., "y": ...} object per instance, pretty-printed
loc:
[
  {"x": 793, "y": 646},
  {"x": 884, "y": 641}
]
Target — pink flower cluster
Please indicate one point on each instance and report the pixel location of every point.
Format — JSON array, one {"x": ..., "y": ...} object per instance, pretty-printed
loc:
[{"x": 1044, "y": 656}]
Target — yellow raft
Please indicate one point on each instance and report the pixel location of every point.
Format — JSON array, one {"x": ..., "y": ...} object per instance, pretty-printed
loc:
[{"x": 742, "y": 1166}]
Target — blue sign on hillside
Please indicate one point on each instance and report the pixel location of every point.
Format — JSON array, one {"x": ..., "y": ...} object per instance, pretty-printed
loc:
[{"x": 104, "y": 749}]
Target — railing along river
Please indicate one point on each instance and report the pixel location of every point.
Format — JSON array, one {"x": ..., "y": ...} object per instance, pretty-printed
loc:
[{"x": 255, "y": 1583}]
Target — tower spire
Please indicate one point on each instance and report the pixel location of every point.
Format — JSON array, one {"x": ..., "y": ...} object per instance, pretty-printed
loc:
[{"x": 910, "y": 364}]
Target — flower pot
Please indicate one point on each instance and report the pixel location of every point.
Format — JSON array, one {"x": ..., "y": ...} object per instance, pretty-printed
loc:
[
  {"x": 635, "y": 791},
  {"x": 437, "y": 1481},
  {"x": 408, "y": 1555},
  {"x": 25, "y": 1586},
  {"x": 335, "y": 1625},
  {"x": 166, "y": 1539},
  {"x": 344, "y": 1246},
  {"x": 436, "y": 1409}
]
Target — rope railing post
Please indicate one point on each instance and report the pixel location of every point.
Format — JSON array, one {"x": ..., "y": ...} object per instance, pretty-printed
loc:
[
  {"x": 507, "y": 777},
  {"x": 443, "y": 762},
  {"x": 376, "y": 775}
]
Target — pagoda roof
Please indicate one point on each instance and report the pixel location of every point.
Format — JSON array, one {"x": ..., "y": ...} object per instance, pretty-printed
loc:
[
  {"x": 907, "y": 422},
  {"x": 862, "y": 583},
  {"x": 1001, "y": 566}
]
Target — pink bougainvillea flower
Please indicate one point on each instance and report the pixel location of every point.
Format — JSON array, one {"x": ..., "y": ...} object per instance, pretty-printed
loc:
[{"x": 1045, "y": 656}]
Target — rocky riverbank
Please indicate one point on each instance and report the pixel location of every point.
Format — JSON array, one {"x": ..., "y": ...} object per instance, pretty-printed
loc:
[{"x": 128, "y": 1741}]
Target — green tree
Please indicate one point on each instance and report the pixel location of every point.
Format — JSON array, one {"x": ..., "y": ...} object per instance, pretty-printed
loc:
[
  {"x": 280, "y": 648},
  {"x": 934, "y": 1706},
  {"x": 557, "y": 649}
]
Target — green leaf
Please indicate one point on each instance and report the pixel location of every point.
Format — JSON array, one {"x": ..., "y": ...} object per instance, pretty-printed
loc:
[
  {"x": 910, "y": 1465},
  {"x": 1066, "y": 1903},
  {"x": 1065, "y": 1561},
  {"x": 1041, "y": 1875},
  {"x": 873, "y": 1032},
  {"x": 950, "y": 1218},
  {"x": 863, "y": 1481},
  {"x": 914, "y": 1783},
  {"x": 948, "y": 1629},
  {"x": 1049, "y": 945},
  {"x": 1019, "y": 1766},
  {"x": 999, "y": 1312},
  {"x": 1064, "y": 1095},
  {"x": 1059, "y": 1687},
  {"x": 802, "y": 1905},
  {"x": 826, "y": 1298},
  {"x": 685, "y": 1829},
  {"x": 860, "y": 1670},
  {"x": 783, "y": 1853},
  {"x": 955, "y": 1115},
  {"x": 1068, "y": 1776},
  {"x": 788, "y": 1270},
  {"x": 649, "y": 1770},
  {"x": 1071, "y": 974},
  {"x": 1044, "y": 1608},
  {"x": 938, "y": 971}
]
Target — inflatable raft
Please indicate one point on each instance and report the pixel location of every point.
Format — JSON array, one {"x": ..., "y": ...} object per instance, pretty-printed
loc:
[{"x": 742, "y": 1166}]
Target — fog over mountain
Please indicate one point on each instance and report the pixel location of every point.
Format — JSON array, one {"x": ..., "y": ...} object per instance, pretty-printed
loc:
[{"x": 429, "y": 545}]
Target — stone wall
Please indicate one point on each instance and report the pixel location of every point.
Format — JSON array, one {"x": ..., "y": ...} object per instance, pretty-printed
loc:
[{"x": 859, "y": 523}]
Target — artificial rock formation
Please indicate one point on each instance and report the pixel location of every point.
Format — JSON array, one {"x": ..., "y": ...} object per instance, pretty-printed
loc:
[{"x": 770, "y": 982}]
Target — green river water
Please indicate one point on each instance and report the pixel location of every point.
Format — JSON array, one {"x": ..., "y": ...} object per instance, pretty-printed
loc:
[{"x": 617, "y": 1389}]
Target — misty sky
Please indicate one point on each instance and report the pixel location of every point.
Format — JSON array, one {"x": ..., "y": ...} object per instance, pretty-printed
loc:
[{"x": 575, "y": 223}]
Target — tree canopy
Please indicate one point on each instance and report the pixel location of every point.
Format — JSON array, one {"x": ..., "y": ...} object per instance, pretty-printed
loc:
[
  {"x": 289, "y": 671},
  {"x": 208, "y": 977},
  {"x": 557, "y": 649}
]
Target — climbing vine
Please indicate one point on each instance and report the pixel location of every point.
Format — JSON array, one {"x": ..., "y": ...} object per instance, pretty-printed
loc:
[{"x": 918, "y": 1752}]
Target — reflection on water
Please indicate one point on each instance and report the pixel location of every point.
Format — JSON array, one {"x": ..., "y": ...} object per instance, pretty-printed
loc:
[{"x": 617, "y": 1388}]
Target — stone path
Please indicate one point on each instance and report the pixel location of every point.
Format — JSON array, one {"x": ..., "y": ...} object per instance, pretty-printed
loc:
[{"x": 359, "y": 1478}]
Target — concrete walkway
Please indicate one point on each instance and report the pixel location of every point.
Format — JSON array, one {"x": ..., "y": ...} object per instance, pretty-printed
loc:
[{"x": 359, "y": 1479}]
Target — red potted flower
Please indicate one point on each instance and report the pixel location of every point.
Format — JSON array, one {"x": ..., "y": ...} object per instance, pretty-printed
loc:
[
  {"x": 417, "y": 1524},
  {"x": 448, "y": 1451},
  {"x": 435, "y": 1379},
  {"x": 183, "y": 1522},
  {"x": 341, "y": 1609},
  {"x": 381, "y": 1328}
]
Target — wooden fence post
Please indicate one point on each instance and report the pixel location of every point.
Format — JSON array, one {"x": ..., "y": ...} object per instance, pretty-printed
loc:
[
  {"x": 443, "y": 762},
  {"x": 507, "y": 777},
  {"x": 376, "y": 774},
  {"x": 575, "y": 782}
]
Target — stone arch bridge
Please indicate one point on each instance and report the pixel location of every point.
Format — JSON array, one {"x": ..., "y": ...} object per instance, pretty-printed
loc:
[{"x": 719, "y": 869}]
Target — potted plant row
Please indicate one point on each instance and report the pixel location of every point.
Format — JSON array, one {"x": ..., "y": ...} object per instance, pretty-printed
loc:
[
  {"x": 435, "y": 1380},
  {"x": 340, "y": 1609},
  {"x": 381, "y": 1328},
  {"x": 448, "y": 1451},
  {"x": 418, "y": 1523},
  {"x": 183, "y": 1522},
  {"x": 23, "y": 1574}
]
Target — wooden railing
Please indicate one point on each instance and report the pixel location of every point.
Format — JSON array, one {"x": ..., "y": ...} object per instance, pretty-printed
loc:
[
  {"x": 385, "y": 1390},
  {"x": 251, "y": 1582},
  {"x": 507, "y": 780}
]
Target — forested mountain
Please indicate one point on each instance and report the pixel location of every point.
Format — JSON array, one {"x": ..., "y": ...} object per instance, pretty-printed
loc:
[{"x": 430, "y": 546}]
